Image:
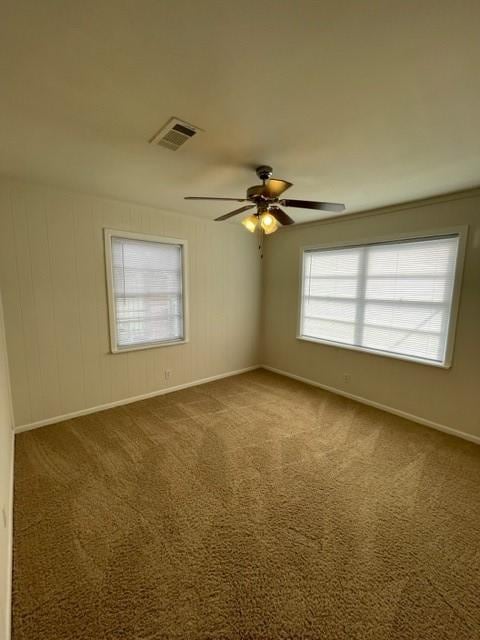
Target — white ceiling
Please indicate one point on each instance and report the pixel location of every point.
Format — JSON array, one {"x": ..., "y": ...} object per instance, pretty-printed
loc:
[{"x": 368, "y": 103}]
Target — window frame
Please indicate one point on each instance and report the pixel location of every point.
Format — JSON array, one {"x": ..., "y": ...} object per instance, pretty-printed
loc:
[
  {"x": 460, "y": 231},
  {"x": 129, "y": 235}
]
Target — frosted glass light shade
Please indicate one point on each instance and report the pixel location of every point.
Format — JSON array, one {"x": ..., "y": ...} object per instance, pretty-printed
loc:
[
  {"x": 268, "y": 223},
  {"x": 250, "y": 223}
]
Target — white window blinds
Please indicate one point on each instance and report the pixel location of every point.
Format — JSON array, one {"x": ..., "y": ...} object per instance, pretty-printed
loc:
[
  {"x": 393, "y": 298},
  {"x": 147, "y": 292}
]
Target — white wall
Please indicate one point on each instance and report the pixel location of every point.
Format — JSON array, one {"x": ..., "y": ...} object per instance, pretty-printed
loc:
[
  {"x": 6, "y": 487},
  {"x": 448, "y": 397},
  {"x": 52, "y": 274},
  {"x": 53, "y": 281}
]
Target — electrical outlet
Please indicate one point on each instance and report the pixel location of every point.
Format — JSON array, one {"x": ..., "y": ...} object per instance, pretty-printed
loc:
[
  {"x": 347, "y": 378},
  {"x": 168, "y": 374}
]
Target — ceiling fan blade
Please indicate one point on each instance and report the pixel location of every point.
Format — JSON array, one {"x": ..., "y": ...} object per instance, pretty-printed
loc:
[
  {"x": 202, "y": 198},
  {"x": 234, "y": 213},
  {"x": 273, "y": 187},
  {"x": 310, "y": 204},
  {"x": 281, "y": 216}
]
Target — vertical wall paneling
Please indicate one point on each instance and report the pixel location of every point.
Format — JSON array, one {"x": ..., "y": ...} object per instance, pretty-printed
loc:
[{"x": 52, "y": 273}]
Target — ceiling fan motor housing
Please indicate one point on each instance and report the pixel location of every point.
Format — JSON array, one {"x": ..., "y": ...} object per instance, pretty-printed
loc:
[{"x": 264, "y": 172}]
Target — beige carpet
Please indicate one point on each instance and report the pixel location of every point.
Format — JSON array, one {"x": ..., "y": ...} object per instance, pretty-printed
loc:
[{"x": 252, "y": 507}]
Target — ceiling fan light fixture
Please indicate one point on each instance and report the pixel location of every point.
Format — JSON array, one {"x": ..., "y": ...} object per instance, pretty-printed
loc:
[
  {"x": 250, "y": 223},
  {"x": 265, "y": 199},
  {"x": 268, "y": 223}
]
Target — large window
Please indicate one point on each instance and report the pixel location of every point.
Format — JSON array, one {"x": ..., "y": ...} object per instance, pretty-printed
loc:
[
  {"x": 395, "y": 298},
  {"x": 146, "y": 290}
]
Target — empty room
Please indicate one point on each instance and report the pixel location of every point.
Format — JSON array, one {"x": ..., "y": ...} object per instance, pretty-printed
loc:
[{"x": 240, "y": 320}]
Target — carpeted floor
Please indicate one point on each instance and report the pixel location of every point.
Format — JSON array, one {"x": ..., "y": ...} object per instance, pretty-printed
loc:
[{"x": 253, "y": 507}]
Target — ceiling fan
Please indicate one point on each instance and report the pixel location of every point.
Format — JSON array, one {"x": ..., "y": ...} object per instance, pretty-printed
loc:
[{"x": 265, "y": 198}]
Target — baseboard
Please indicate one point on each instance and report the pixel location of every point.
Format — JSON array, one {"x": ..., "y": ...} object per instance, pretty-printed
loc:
[
  {"x": 403, "y": 414},
  {"x": 118, "y": 403},
  {"x": 377, "y": 405},
  {"x": 8, "y": 604}
]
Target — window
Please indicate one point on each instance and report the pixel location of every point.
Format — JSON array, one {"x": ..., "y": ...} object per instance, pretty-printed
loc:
[
  {"x": 146, "y": 290},
  {"x": 395, "y": 298}
]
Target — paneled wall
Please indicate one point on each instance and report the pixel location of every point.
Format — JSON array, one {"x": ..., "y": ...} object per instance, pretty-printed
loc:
[
  {"x": 52, "y": 274},
  {"x": 6, "y": 487},
  {"x": 449, "y": 397}
]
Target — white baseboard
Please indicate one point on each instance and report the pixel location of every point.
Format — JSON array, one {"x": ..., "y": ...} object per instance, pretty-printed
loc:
[
  {"x": 118, "y": 403},
  {"x": 403, "y": 414}
]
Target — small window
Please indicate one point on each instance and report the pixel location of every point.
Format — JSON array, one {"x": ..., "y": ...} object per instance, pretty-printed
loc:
[
  {"x": 146, "y": 290},
  {"x": 395, "y": 298}
]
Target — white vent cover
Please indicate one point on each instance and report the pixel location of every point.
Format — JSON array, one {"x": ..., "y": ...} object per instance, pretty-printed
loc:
[{"x": 174, "y": 134}]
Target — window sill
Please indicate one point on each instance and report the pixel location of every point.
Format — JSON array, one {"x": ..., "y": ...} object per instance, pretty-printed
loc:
[
  {"x": 374, "y": 352},
  {"x": 142, "y": 347}
]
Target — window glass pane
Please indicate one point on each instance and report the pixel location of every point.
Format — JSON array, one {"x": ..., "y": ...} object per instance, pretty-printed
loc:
[
  {"x": 329, "y": 330},
  {"x": 391, "y": 297},
  {"x": 408, "y": 289},
  {"x": 406, "y": 342},
  {"x": 330, "y": 309},
  {"x": 425, "y": 317},
  {"x": 338, "y": 262},
  {"x": 419, "y": 258},
  {"x": 331, "y": 287}
]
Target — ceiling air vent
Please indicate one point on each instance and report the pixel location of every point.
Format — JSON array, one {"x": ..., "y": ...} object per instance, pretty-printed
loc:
[{"x": 174, "y": 134}]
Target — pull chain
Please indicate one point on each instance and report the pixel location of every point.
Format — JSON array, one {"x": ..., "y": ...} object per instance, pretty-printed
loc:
[{"x": 260, "y": 241}]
